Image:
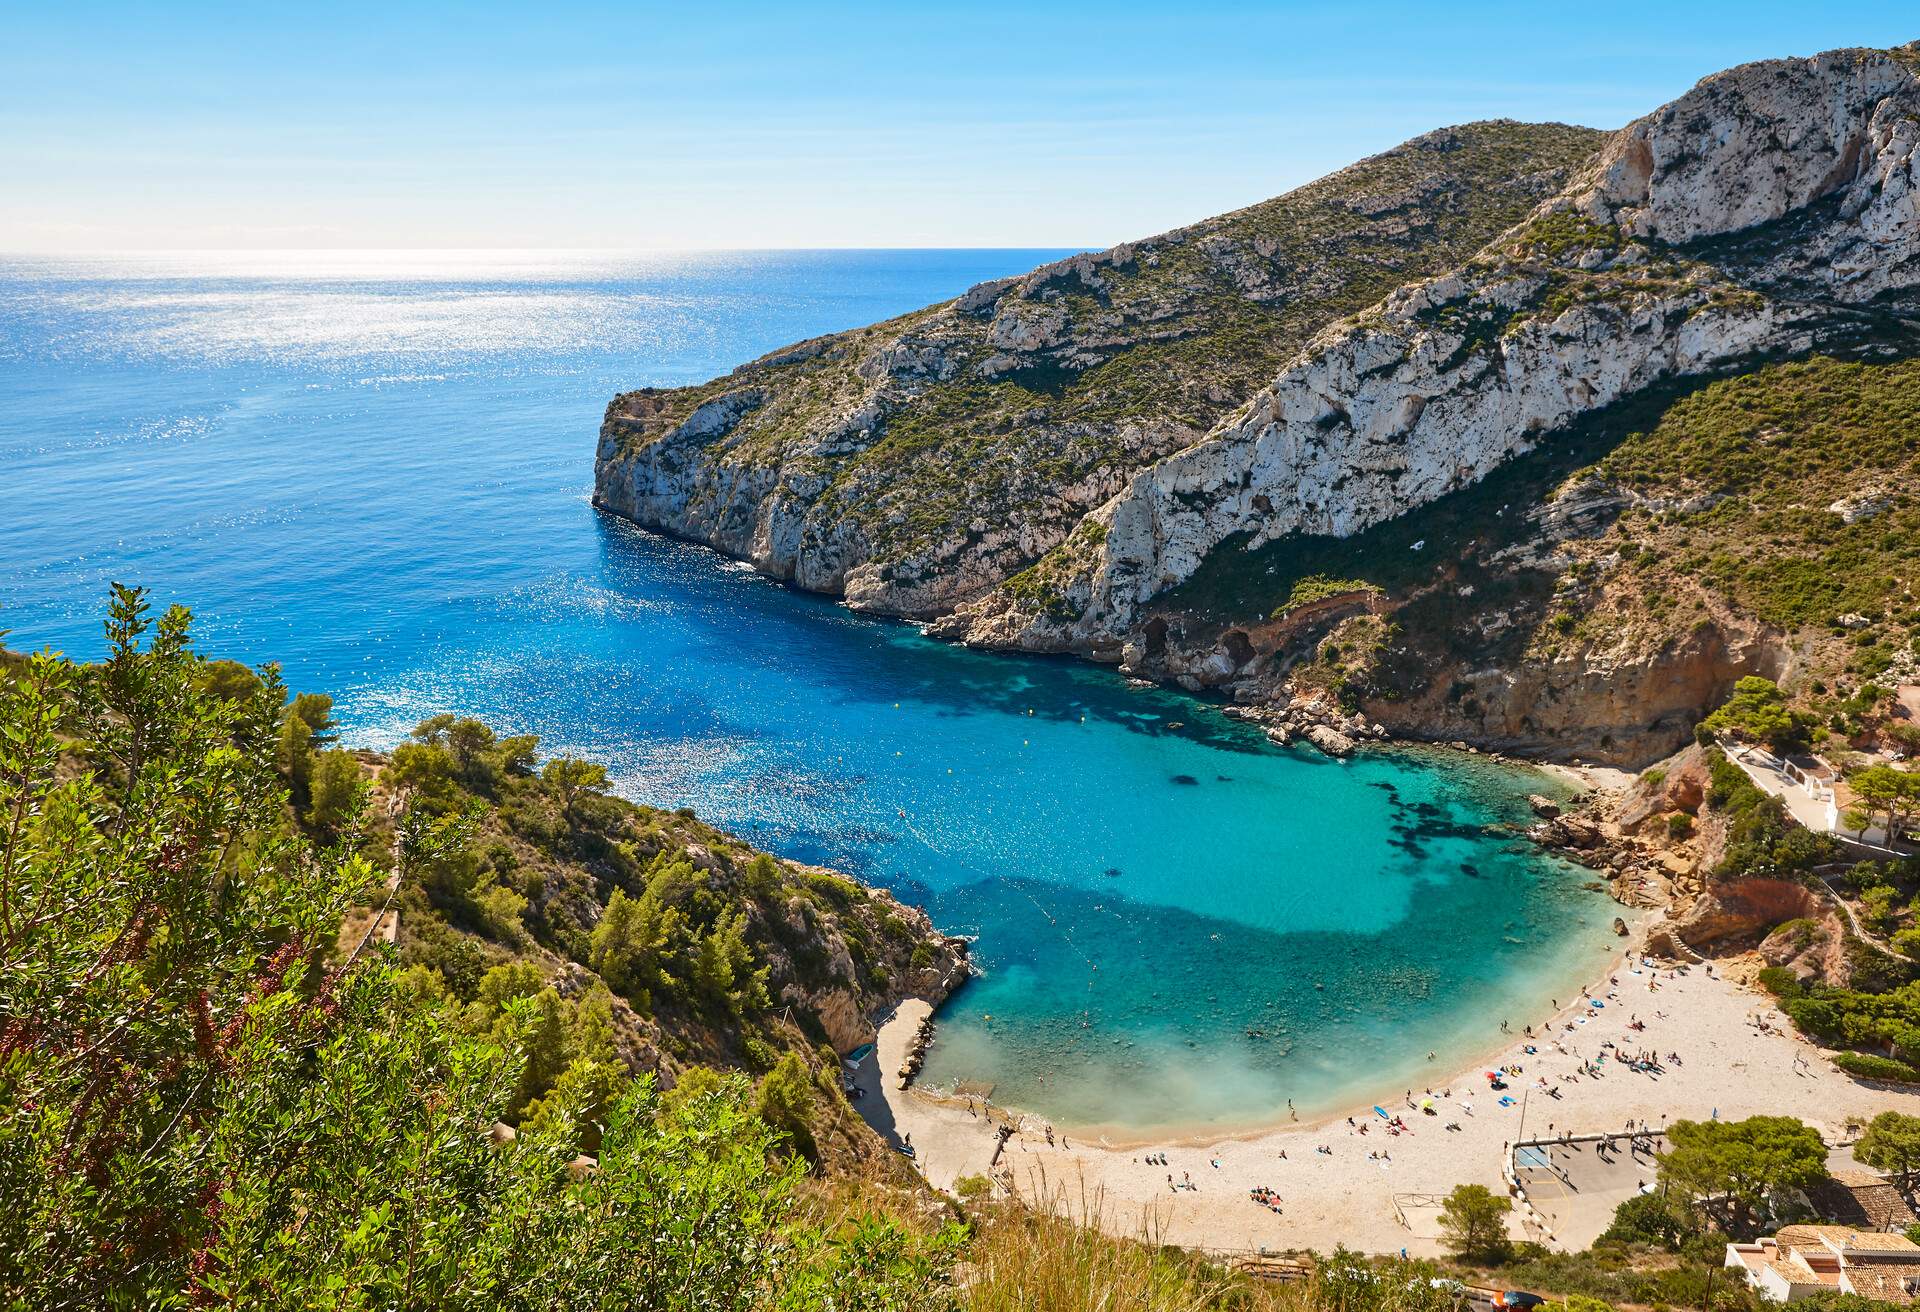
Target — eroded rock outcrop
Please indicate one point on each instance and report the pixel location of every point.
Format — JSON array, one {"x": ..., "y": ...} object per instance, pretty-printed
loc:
[
  {"x": 1626, "y": 697},
  {"x": 1814, "y": 948},
  {"x": 1742, "y": 911}
]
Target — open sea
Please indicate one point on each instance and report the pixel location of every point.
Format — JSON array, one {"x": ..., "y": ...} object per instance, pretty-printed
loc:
[{"x": 375, "y": 469}]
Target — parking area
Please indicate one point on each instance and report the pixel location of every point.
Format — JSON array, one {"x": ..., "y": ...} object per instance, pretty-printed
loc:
[{"x": 1577, "y": 1184}]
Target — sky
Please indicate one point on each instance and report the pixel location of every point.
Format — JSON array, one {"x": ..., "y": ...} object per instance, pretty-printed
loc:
[{"x": 703, "y": 124}]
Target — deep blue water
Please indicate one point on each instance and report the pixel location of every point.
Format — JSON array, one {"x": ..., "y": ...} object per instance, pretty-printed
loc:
[{"x": 376, "y": 470}]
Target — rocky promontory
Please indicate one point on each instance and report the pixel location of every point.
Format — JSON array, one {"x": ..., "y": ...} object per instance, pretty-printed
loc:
[
  {"x": 1484, "y": 438},
  {"x": 918, "y": 463}
]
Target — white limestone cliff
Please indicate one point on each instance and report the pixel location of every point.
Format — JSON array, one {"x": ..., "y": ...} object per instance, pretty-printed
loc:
[
  {"x": 1658, "y": 267},
  {"x": 913, "y": 465}
]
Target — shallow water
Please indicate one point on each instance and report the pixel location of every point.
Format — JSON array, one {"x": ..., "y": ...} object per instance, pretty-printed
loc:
[{"x": 376, "y": 470}]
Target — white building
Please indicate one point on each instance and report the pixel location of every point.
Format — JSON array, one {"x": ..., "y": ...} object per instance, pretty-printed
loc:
[{"x": 1811, "y": 1259}]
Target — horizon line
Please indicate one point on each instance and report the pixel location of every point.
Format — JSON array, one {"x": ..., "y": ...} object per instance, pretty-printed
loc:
[{"x": 9, "y": 252}]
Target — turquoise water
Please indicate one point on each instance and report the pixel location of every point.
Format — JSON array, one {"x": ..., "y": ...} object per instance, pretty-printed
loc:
[{"x": 376, "y": 470}]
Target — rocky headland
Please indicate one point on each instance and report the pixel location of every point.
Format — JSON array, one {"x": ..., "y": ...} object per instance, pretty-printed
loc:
[{"x": 1482, "y": 439}]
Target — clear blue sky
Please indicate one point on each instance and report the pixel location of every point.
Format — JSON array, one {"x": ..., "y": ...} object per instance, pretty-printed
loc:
[{"x": 717, "y": 125}]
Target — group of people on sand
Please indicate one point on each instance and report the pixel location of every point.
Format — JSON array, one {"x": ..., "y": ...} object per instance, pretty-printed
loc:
[
  {"x": 1267, "y": 1198},
  {"x": 1640, "y": 1061}
]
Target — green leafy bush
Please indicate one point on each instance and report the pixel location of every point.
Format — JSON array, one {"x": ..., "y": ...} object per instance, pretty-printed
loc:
[
  {"x": 1655, "y": 1219},
  {"x": 204, "y": 1104},
  {"x": 1780, "y": 982},
  {"x": 1318, "y": 587},
  {"x": 1869, "y": 1067},
  {"x": 785, "y": 1101}
]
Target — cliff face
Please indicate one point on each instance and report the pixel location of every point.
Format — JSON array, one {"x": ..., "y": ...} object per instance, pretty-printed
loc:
[
  {"x": 1402, "y": 373},
  {"x": 1770, "y": 210},
  {"x": 915, "y": 464}
]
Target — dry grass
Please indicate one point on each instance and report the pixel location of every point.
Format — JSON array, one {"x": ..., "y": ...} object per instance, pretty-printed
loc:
[
  {"x": 1062, "y": 1255},
  {"x": 1057, "y": 1255}
]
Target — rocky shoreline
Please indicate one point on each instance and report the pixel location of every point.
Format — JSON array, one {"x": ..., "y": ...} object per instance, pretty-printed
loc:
[{"x": 1334, "y": 734}]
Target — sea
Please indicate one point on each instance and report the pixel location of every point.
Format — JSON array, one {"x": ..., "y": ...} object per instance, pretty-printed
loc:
[{"x": 375, "y": 469}]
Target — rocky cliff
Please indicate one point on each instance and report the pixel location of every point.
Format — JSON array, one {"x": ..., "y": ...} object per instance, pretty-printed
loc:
[
  {"x": 913, "y": 465},
  {"x": 1137, "y": 456},
  {"x": 1771, "y": 209}
]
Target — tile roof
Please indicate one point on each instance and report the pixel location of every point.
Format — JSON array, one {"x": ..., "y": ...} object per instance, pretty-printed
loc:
[
  {"x": 1845, "y": 1238},
  {"x": 1865, "y": 1241},
  {"x": 1885, "y": 1281},
  {"x": 1869, "y": 1263}
]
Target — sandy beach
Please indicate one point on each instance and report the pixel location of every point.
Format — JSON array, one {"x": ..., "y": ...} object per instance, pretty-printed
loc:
[
  {"x": 1586, "y": 778},
  {"x": 1738, "y": 1057}
]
